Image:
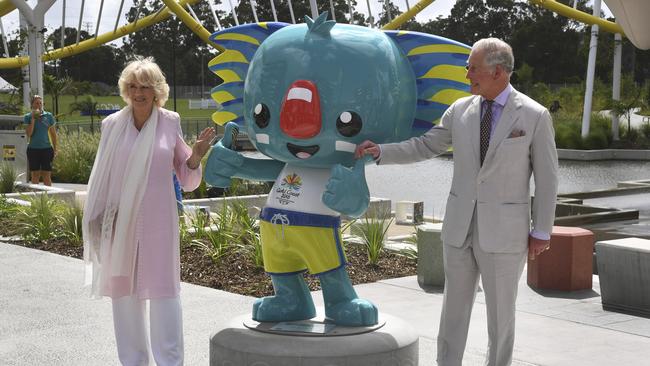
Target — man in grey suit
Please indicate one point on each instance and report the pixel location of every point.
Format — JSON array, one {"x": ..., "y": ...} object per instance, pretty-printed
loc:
[{"x": 499, "y": 137}]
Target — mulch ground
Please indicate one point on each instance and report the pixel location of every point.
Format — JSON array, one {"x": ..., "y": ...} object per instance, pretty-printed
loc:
[{"x": 237, "y": 274}]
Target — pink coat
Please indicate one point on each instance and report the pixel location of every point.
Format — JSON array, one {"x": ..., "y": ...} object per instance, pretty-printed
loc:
[{"x": 157, "y": 271}]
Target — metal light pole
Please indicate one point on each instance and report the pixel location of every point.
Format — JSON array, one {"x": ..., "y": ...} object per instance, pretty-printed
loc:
[{"x": 591, "y": 70}]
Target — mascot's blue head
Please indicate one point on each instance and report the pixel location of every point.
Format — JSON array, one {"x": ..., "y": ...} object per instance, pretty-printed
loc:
[{"x": 315, "y": 90}]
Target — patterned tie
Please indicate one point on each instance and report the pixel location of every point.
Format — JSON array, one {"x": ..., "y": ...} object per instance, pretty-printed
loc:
[{"x": 486, "y": 126}]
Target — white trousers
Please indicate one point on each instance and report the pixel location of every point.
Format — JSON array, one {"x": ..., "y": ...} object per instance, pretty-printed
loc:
[
  {"x": 166, "y": 330},
  {"x": 500, "y": 273}
]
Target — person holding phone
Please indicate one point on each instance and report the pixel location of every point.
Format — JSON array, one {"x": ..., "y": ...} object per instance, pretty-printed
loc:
[{"x": 42, "y": 146}]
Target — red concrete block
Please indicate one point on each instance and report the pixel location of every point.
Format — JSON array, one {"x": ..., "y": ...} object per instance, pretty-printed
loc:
[{"x": 567, "y": 265}]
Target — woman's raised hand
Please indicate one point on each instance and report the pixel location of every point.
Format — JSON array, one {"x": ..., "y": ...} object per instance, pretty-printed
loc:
[{"x": 202, "y": 144}]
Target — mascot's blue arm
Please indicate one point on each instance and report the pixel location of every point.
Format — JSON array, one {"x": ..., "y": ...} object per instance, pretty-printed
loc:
[{"x": 224, "y": 163}]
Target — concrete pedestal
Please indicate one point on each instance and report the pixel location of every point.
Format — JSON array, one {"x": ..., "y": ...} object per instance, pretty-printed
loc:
[
  {"x": 395, "y": 344},
  {"x": 567, "y": 265},
  {"x": 624, "y": 273},
  {"x": 431, "y": 271}
]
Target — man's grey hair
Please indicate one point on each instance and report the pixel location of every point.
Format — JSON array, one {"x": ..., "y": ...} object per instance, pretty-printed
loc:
[{"x": 496, "y": 52}]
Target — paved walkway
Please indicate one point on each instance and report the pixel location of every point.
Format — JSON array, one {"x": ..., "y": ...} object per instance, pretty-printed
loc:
[{"x": 46, "y": 319}]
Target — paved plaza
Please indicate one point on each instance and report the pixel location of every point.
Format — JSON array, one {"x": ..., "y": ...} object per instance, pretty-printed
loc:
[{"x": 47, "y": 319}]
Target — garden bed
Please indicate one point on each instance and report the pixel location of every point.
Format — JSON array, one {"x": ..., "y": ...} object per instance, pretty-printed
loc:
[
  {"x": 227, "y": 257},
  {"x": 236, "y": 273}
]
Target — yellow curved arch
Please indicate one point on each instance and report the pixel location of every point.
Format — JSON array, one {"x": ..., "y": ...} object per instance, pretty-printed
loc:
[
  {"x": 408, "y": 15},
  {"x": 192, "y": 24},
  {"x": 6, "y": 7},
  {"x": 578, "y": 15},
  {"x": 15, "y": 62}
]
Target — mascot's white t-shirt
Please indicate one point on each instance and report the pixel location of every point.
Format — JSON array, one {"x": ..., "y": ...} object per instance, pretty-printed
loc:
[{"x": 301, "y": 189}]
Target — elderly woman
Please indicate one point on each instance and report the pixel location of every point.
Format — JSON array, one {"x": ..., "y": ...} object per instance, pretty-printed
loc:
[{"x": 130, "y": 226}]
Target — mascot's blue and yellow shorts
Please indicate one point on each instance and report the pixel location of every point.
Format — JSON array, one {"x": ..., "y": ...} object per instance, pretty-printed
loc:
[{"x": 294, "y": 242}]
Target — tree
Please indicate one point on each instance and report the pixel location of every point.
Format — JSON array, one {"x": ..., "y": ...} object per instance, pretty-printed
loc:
[
  {"x": 171, "y": 42},
  {"x": 78, "y": 88},
  {"x": 88, "y": 106},
  {"x": 630, "y": 99},
  {"x": 101, "y": 64},
  {"x": 55, "y": 87}
]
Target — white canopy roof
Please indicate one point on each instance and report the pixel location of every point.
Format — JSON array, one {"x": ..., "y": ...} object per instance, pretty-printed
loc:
[
  {"x": 5, "y": 86},
  {"x": 634, "y": 17}
]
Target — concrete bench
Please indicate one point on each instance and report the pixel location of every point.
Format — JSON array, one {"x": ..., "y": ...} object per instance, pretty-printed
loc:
[
  {"x": 567, "y": 265},
  {"x": 430, "y": 268},
  {"x": 624, "y": 273}
]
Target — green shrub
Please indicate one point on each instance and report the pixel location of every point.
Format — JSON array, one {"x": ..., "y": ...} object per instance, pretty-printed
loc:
[
  {"x": 39, "y": 221},
  {"x": 595, "y": 140},
  {"x": 571, "y": 99},
  {"x": 71, "y": 219},
  {"x": 373, "y": 233},
  {"x": 645, "y": 130},
  {"x": 567, "y": 132},
  {"x": 76, "y": 155},
  {"x": 219, "y": 240},
  {"x": 249, "y": 233},
  {"x": 541, "y": 93},
  {"x": 8, "y": 223},
  {"x": 631, "y": 135},
  {"x": 8, "y": 177}
]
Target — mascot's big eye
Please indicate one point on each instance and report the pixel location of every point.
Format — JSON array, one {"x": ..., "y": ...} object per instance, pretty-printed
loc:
[
  {"x": 349, "y": 124},
  {"x": 262, "y": 115}
]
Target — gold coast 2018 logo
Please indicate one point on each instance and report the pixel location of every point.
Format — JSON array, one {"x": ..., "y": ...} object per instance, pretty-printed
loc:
[
  {"x": 292, "y": 181},
  {"x": 289, "y": 189}
]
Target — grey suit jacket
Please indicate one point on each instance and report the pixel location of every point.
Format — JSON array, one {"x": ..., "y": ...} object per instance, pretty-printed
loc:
[{"x": 522, "y": 144}]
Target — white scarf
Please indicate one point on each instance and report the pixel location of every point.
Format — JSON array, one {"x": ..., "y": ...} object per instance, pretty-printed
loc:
[{"x": 104, "y": 230}]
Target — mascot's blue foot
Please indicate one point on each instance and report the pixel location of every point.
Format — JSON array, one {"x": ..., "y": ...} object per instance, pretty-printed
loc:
[
  {"x": 292, "y": 301},
  {"x": 353, "y": 313},
  {"x": 342, "y": 305}
]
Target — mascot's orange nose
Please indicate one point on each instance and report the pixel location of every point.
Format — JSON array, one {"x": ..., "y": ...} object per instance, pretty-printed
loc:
[{"x": 300, "y": 115}]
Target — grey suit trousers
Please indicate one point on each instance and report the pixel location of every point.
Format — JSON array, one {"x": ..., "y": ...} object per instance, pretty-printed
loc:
[{"x": 500, "y": 273}]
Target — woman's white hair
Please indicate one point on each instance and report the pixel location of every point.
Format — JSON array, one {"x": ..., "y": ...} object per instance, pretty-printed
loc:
[
  {"x": 146, "y": 72},
  {"x": 496, "y": 52}
]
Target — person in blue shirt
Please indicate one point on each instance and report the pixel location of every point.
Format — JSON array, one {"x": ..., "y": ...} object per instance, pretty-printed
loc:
[{"x": 41, "y": 149}]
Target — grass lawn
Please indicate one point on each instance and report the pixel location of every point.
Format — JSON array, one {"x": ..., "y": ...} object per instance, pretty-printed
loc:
[{"x": 64, "y": 116}]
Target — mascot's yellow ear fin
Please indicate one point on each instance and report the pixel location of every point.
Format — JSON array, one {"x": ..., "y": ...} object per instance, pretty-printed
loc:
[
  {"x": 231, "y": 66},
  {"x": 439, "y": 67}
]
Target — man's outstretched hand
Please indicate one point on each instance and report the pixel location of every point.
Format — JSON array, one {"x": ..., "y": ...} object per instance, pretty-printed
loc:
[{"x": 367, "y": 148}]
